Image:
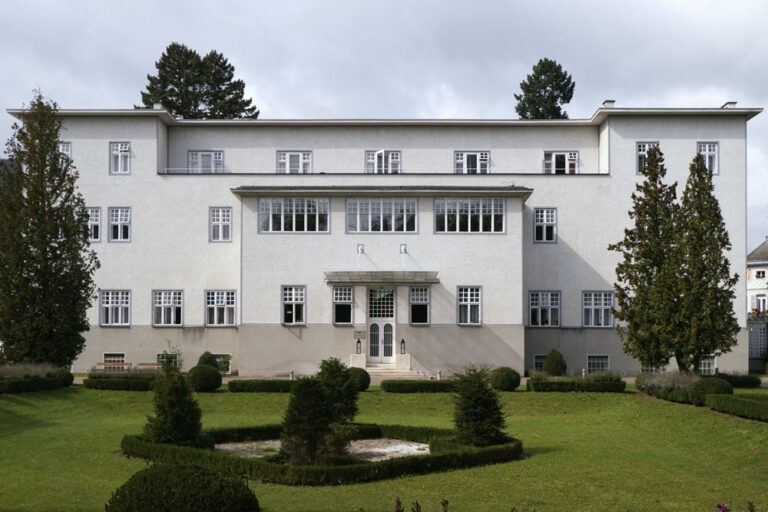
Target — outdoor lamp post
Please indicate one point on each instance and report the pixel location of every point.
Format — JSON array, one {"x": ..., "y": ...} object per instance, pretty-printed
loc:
[
  {"x": 358, "y": 346},
  {"x": 402, "y": 346}
]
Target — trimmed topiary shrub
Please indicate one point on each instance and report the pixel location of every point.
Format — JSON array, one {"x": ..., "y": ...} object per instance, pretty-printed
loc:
[
  {"x": 708, "y": 386},
  {"x": 204, "y": 378},
  {"x": 27, "y": 384},
  {"x": 754, "y": 407},
  {"x": 741, "y": 380},
  {"x": 477, "y": 415},
  {"x": 576, "y": 384},
  {"x": 177, "y": 414},
  {"x": 341, "y": 389},
  {"x": 260, "y": 386},
  {"x": 505, "y": 379},
  {"x": 554, "y": 364},
  {"x": 66, "y": 377},
  {"x": 417, "y": 386},
  {"x": 361, "y": 377},
  {"x": 182, "y": 488},
  {"x": 306, "y": 422},
  {"x": 208, "y": 359}
]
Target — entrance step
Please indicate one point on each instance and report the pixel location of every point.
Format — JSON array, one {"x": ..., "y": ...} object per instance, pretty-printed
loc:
[{"x": 379, "y": 373}]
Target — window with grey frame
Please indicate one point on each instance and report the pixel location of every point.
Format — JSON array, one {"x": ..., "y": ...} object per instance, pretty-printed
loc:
[
  {"x": 453, "y": 215},
  {"x": 119, "y": 224},
  {"x": 642, "y": 153},
  {"x": 419, "y": 304},
  {"x": 545, "y": 225},
  {"x": 469, "y": 305},
  {"x": 220, "y": 308},
  {"x": 293, "y": 304},
  {"x": 597, "y": 309},
  {"x": 165, "y": 356},
  {"x": 471, "y": 162},
  {"x": 708, "y": 151},
  {"x": 115, "y": 308},
  {"x": 94, "y": 223},
  {"x": 119, "y": 157},
  {"x": 342, "y": 305},
  {"x": 167, "y": 308},
  {"x": 383, "y": 162},
  {"x": 561, "y": 162},
  {"x": 294, "y": 162},
  {"x": 598, "y": 363},
  {"x": 544, "y": 309},
  {"x": 115, "y": 361},
  {"x": 205, "y": 162},
  {"x": 538, "y": 362},
  {"x": 220, "y": 224},
  {"x": 381, "y": 215},
  {"x": 292, "y": 215}
]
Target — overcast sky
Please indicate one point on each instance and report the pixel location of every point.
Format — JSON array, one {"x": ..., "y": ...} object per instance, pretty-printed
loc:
[{"x": 326, "y": 58}]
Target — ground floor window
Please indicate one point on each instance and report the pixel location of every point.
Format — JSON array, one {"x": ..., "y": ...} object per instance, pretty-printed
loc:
[
  {"x": 419, "y": 302},
  {"x": 538, "y": 362},
  {"x": 114, "y": 361},
  {"x": 224, "y": 361},
  {"x": 219, "y": 308},
  {"x": 469, "y": 305},
  {"x": 342, "y": 305},
  {"x": 597, "y": 364},
  {"x": 293, "y": 305},
  {"x": 173, "y": 358},
  {"x": 707, "y": 366}
]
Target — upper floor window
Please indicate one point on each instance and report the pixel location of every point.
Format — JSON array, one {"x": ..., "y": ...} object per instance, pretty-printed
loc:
[
  {"x": 65, "y": 148},
  {"x": 294, "y": 162},
  {"x": 469, "y": 215},
  {"x": 419, "y": 302},
  {"x": 119, "y": 224},
  {"x": 382, "y": 162},
  {"x": 468, "y": 301},
  {"x": 707, "y": 365},
  {"x": 544, "y": 225},
  {"x": 544, "y": 309},
  {"x": 94, "y": 224},
  {"x": 342, "y": 305},
  {"x": 220, "y": 224},
  {"x": 597, "y": 309},
  {"x": 120, "y": 157},
  {"x": 471, "y": 162},
  {"x": 167, "y": 306},
  {"x": 205, "y": 162},
  {"x": 282, "y": 215},
  {"x": 642, "y": 153},
  {"x": 708, "y": 150},
  {"x": 293, "y": 305},
  {"x": 381, "y": 214},
  {"x": 115, "y": 307},
  {"x": 220, "y": 308},
  {"x": 759, "y": 274},
  {"x": 561, "y": 162}
]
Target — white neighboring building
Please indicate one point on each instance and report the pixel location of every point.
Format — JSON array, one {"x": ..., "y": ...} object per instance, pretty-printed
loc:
[
  {"x": 757, "y": 282},
  {"x": 403, "y": 244}
]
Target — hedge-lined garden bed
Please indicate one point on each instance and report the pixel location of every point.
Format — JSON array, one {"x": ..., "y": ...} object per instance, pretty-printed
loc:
[
  {"x": 260, "y": 386},
  {"x": 754, "y": 407},
  {"x": 122, "y": 380},
  {"x": 741, "y": 380},
  {"x": 417, "y": 386},
  {"x": 25, "y": 378},
  {"x": 594, "y": 383},
  {"x": 682, "y": 388},
  {"x": 445, "y": 456}
]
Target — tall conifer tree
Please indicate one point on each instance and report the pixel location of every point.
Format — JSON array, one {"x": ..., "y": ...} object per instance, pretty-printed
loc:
[
  {"x": 46, "y": 265},
  {"x": 647, "y": 282},
  {"x": 706, "y": 320},
  {"x": 545, "y": 91}
]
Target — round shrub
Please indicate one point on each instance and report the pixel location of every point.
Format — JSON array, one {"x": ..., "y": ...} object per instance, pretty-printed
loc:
[
  {"x": 204, "y": 378},
  {"x": 182, "y": 488},
  {"x": 66, "y": 377},
  {"x": 709, "y": 386},
  {"x": 208, "y": 359},
  {"x": 505, "y": 379},
  {"x": 361, "y": 377},
  {"x": 554, "y": 364}
]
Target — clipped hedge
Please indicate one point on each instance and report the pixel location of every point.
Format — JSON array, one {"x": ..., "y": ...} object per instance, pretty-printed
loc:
[
  {"x": 576, "y": 385},
  {"x": 417, "y": 386},
  {"x": 741, "y": 380},
  {"x": 123, "y": 384},
  {"x": 709, "y": 386},
  {"x": 505, "y": 378},
  {"x": 694, "y": 393},
  {"x": 448, "y": 457},
  {"x": 204, "y": 378},
  {"x": 66, "y": 377},
  {"x": 24, "y": 385},
  {"x": 260, "y": 386},
  {"x": 362, "y": 378},
  {"x": 747, "y": 406}
]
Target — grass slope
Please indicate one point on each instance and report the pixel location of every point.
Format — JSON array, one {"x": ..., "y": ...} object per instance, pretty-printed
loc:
[{"x": 597, "y": 452}]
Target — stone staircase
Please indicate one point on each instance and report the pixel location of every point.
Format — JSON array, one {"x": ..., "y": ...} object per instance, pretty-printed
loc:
[{"x": 382, "y": 372}]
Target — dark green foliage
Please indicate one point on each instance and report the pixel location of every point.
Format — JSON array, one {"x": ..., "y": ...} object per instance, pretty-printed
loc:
[
  {"x": 204, "y": 378},
  {"x": 417, "y": 386},
  {"x": 46, "y": 265},
  {"x": 26, "y": 384},
  {"x": 545, "y": 91},
  {"x": 208, "y": 359},
  {"x": 306, "y": 422},
  {"x": 754, "y": 407},
  {"x": 177, "y": 414},
  {"x": 554, "y": 364},
  {"x": 708, "y": 386},
  {"x": 66, "y": 377},
  {"x": 191, "y": 87},
  {"x": 454, "y": 457},
  {"x": 505, "y": 378},
  {"x": 595, "y": 383},
  {"x": 124, "y": 374},
  {"x": 477, "y": 415},
  {"x": 361, "y": 377},
  {"x": 260, "y": 386},
  {"x": 707, "y": 324},
  {"x": 647, "y": 287},
  {"x": 182, "y": 488},
  {"x": 741, "y": 381},
  {"x": 341, "y": 389},
  {"x": 120, "y": 384}
]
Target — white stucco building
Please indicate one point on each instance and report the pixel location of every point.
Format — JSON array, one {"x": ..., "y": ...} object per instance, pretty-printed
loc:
[
  {"x": 757, "y": 282},
  {"x": 435, "y": 243}
]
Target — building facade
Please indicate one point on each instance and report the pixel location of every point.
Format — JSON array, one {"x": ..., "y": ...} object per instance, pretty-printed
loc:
[
  {"x": 417, "y": 245},
  {"x": 757, "y": 283}
]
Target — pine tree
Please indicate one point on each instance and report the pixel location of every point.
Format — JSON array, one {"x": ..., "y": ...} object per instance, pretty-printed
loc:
[
  {"x": 191, "y": 87},
  {"x": 477, "y": 415},
  {"x": 706, "y": 319},
  {"x": 545, "y": 91},
  {"x": 46, "y": 265},
  {"x": 647, "y": 276}
]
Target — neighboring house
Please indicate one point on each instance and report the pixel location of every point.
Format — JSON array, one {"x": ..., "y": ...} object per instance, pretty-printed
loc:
[
  {"x": 757, "y": 283},
  {"x": 403, "y": 244}
]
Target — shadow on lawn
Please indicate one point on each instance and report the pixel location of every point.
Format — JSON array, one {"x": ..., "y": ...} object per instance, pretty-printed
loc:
[
  {"x": 11, "y": 421},
  {"x": 532, "y": 451}
]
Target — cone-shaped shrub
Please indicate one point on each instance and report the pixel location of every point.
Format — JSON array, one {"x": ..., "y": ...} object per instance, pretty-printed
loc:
[
  {"x": 477, "y": 412},
  {"x": 554, "y": 364},
  {"x": 306, "y": 423},
  {"x": 341, "y": 388},
  {"x": 177, "y": 414},
  {"x": 208, "y": 359}
]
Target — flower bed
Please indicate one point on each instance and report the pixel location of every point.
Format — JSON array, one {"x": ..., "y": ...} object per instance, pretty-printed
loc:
[{"x": 444, "y": 455}]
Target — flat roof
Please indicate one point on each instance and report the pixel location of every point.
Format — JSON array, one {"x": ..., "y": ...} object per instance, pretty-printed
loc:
[
  {"x": 597, "y": 118},
  {"x": 381, "y": 277},
  {"x": 405, "y": 190}
]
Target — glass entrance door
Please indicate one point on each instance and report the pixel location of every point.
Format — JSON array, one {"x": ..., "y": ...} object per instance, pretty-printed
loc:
[{"x": 381, "y": 322}]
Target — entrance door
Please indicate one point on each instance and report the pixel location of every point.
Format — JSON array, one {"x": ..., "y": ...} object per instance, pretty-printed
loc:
[{"x": 381, "y": 325}]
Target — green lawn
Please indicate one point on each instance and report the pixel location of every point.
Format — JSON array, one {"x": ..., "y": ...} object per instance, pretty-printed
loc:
[{"x": 60, "y": 451}]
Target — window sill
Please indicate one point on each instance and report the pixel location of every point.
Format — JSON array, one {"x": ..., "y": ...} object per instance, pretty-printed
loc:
[
  {"x": 108, "y": 326},
  {"x": 470, "y": 325},
  {"x": 413, "y": 324},
  {"x": 220, "y": 326},
  {"x": 168, "y": 326},
  {"x": 335, "y": 324},
  {"x": 294, "y": 325}
]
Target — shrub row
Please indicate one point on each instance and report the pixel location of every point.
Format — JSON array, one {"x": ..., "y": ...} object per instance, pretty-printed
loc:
[
  {"x": 741, "y": 380},
  {"x": 576, "y": 384},
  {"x": 124, "y": 374},
  {"x": 754, "y": 407},
  {"x": 120, "y": 384},
  {"x": 260, "y": 386},
  {"x": 683, "y": 388},
  {"x": 417, "y": 386},
  {"x": 266, "y": 471},
  {"x": 33, "y": 384}
]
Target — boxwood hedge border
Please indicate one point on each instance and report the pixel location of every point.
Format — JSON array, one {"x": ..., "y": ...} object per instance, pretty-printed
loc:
[
  {"x": 27, "y": 384},
  {"x": 417, "y": 386},
  {"x": 120, "y": 384},
  {"x": 576, "y": 385},
  {"x": 753, "y": 407},
  {"x": 446, "y": 456},
  {"x": 260, "y": 386}
]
